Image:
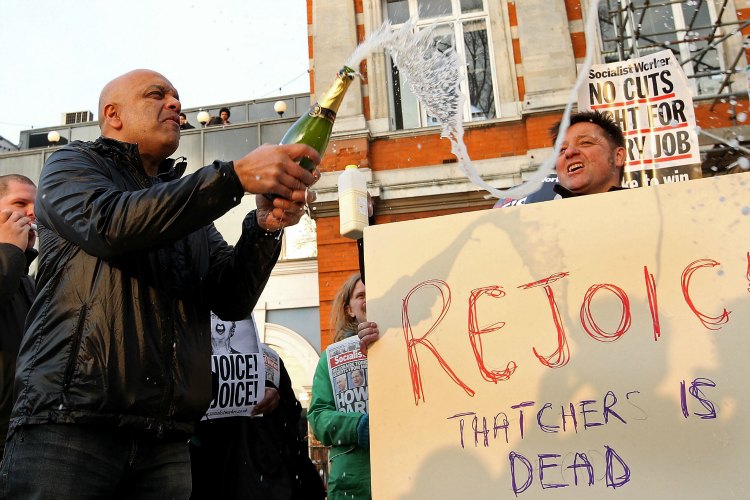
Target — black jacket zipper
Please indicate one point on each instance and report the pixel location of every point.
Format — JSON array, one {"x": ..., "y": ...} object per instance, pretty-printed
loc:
[{"x": 70, "y": 367}]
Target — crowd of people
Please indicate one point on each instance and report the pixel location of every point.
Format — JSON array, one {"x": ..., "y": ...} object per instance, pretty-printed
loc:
[
  {"x": 105, "y": 360},
  {"x": 222, "y": 119}
]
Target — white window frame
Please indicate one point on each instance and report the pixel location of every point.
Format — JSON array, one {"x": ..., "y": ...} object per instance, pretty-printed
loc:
[{"x": 456, "y": 21}]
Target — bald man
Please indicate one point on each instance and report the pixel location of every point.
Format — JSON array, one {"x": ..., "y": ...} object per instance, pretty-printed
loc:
[{"x": 114, "y": 367}]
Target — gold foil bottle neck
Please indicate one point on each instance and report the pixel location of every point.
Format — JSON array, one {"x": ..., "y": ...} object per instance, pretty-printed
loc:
[{"x": 331, "y": 100}]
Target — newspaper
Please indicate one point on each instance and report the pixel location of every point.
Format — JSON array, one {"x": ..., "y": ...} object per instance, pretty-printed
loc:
[
  {"x": 347, "y": 367},
  {"x": 651, "y": 101},
  {"x": 272, "y": 360},
  {"x": 237, "y": 368}
]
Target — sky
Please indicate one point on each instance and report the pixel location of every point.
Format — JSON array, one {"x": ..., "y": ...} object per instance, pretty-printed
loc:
[{"x": 55, "y": 56}]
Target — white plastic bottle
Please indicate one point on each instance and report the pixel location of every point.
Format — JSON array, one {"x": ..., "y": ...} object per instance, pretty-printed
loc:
[{"x": 352, "y": 202}]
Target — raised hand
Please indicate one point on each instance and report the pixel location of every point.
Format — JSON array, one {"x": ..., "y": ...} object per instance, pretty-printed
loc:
[
  {"x": 15, "y": 228},
  {"x": 273, "y": 169},
  {"x": 368, "y": 333}
]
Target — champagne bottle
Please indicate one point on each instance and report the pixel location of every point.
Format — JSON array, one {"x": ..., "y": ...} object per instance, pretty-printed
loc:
[{"x": 314, "y": 127}]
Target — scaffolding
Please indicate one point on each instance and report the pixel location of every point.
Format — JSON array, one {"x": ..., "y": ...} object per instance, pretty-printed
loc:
[
  {"x": 709, "y": 46},
  {"x": 705, "y": 37}
]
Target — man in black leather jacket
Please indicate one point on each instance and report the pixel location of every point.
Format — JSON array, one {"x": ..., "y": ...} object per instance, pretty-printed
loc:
[
  {"x": 114, "y": 367},
  {"x": 17, "y": 238}
]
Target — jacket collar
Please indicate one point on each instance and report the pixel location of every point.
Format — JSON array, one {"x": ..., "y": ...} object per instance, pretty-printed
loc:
[
  {"x": 566, "y": 193},
  {"x": 169, "y": 169}
]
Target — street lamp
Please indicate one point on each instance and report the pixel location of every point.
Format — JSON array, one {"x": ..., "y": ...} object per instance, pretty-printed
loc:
[
  {"x": 203, "y": 118},
  {"x": 280, "y": 108},
  {"x": 53, "y": 137}
]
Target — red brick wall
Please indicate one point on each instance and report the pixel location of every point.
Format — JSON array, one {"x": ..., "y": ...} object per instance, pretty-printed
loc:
[
  {"x": 337, "y": 260},
  {"x": 343, "y": 152},
  {"x": 573, "y": 9},
  {"x": 579, "y": 44},
  {"x": 491, "y": 141}
]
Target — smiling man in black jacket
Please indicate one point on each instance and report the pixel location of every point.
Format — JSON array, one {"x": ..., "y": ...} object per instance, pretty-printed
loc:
[
  {"x": 114, "y": 367},
  {"x": 591, "y": 159}
]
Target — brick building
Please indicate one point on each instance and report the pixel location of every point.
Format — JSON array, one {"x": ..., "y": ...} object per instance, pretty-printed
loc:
[{"x": 526, "y": 53}]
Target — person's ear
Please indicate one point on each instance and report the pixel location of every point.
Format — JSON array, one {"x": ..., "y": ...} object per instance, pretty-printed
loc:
[
  {"x": 112, "y": 116},
  {"x": 620, "y": 157},
  {"x": 349, "y": 312}
]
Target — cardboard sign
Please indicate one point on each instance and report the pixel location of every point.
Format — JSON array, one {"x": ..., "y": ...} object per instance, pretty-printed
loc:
[{"x": 583, "y": 348}]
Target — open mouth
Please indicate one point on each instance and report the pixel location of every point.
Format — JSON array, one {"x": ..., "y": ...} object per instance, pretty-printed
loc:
[
  {"x": 574, "y": 167},
  {"x": 220, "y": 329}
]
